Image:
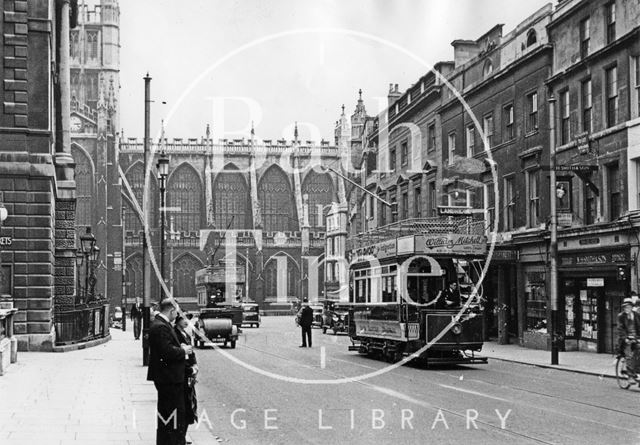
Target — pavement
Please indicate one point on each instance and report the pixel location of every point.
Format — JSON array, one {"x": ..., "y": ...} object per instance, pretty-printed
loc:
[
  {"x": 100, "y": 395},
  {"x": 602, "y": 365},
  {"x": 96, "y": 396}
]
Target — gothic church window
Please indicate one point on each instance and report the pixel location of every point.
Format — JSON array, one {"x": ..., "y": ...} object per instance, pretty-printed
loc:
[
  {"x": 92, "y": 45},
  {"x": 185, "y": 192},
  {"x": 84, "y": 188},
  {"x": 231, "y": 201},
  {"x": 318, "y": 189},
  {"x": 184, "y": 272},
  {"x": 276, "y": 202}
]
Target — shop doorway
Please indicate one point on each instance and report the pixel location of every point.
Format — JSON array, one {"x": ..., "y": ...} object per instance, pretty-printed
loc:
[{"x": 590, "y": 308}]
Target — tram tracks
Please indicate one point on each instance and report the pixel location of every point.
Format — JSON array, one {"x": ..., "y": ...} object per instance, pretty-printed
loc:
[{"x": 389, "y": 392}]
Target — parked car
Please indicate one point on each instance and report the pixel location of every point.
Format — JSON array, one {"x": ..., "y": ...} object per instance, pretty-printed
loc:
[
  {"x": 116, "y": 320},
  {"x": 318, "y": 309},
  {"x": 336, "y": 317},
  {"x": 251, "y": 314}
]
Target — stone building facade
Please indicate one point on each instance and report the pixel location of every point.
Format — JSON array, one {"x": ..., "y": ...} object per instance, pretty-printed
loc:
[
  {"x": 36, "y": 168},
  {"x": 261, "y": 202},
  {"x": 430, "y": 149}
]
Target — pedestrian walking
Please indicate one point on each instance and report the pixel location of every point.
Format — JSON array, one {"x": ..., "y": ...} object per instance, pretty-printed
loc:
[
  {"x": 190, "y": 373},
  {"x": 305, "y": 320},
  {"x": 167, "y": 361},
  {"x": 136, "y": 317}
]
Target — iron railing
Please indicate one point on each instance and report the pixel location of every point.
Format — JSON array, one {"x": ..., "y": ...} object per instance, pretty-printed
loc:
[{"x": 81, "y": 324}]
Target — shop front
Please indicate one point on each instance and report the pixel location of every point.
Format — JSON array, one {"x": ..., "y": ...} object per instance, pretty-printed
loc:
[
  {"x": 592, "y": 286},
  {"x": 535, "y": 333},
  {"x": 499, "y": 290}
]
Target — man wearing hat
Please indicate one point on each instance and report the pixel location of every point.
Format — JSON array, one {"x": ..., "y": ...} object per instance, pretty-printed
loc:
[{"x": 628, "y": 328}]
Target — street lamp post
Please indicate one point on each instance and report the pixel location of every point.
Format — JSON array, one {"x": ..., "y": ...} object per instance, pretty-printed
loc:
[
  {"x": 553, "y": 248},
  {"x": 3, "y": 216},
  {"x": 88, "y": 252},
  {"x": 163, "y": 172}
]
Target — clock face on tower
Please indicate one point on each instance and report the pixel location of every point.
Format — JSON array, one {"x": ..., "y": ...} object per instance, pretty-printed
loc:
[{"x": 76, "y": 124}]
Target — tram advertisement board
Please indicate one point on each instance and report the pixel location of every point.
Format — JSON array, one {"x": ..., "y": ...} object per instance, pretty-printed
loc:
[
  {"x": 384, "y": 249},
  {"x": 451, "y": 243}
]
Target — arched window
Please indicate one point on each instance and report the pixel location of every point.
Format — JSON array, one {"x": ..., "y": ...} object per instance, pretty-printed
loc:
[
  {"x": 488, "y": 68},
  {"x": 276, "y": 201},
  {"x": 231, "y": 201},
  {"x": 185, "y": 192},
  {"x": 532, "y": 37},
  {"x": 284, "y": 284},
  {"x": 92, "y": 45},
  {"x": 184, "y": 272},
  {"x": 318, "y": 191},
  {"x": 134, "y": 273},
  {"x": 84, "y": 188},
  {"x": 74, "y": 41},
  {"x": 91, "y": 87},
  {"x": 135, "y": 176}
]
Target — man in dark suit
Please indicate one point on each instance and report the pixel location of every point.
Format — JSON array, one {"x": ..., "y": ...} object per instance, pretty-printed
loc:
[
  {"x": 167, "y": 359},
  {"x": 305, "y": 320}
]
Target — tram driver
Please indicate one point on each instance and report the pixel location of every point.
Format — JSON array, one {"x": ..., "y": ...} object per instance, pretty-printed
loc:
[{"x": 452, "y": 295}]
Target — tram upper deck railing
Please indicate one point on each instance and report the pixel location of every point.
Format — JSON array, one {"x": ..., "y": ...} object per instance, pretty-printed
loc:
[{"x": 440, "y": 225}]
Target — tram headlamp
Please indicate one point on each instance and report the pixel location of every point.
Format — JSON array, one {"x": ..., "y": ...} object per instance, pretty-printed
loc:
[{"x": 456, "y": 329}]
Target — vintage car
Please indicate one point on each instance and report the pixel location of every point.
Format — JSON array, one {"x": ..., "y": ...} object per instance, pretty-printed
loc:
[
  {"x": 219, "y": 323},
  {"x": 318, "y": 309},
  {"x": 116, "y": 320},
  {"x": 336, "y": 318},
  {"x": 251, "y": 314}
]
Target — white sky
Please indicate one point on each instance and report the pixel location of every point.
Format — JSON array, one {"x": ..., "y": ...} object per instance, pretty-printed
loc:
[{"x": 302, "y": 77}]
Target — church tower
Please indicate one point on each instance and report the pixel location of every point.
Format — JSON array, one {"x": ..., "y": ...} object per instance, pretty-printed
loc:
[{"x": 95, "y": 90}]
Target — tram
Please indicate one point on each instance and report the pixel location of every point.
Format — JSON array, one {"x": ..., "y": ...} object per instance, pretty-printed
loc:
[
  {"x": 415, "y": 289},
  {"x": 220, "y": 283}
]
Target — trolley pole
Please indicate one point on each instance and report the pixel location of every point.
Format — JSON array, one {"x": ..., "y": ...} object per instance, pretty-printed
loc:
[
  {"x": 146, "y": 305},
  {"x": 553, "y": 248}
]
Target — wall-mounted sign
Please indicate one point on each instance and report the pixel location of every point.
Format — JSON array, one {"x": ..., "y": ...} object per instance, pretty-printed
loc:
[
  {"x": 505, "y": 255},
  {"x": 565, "y": 219},
  {"x": 5, "y": 241},
  {"x": 595, "y": 282},
  {"x": 455, "y": 211},
  {"x": 594, "y": 258},
  {"x": 406, "y": 244}
]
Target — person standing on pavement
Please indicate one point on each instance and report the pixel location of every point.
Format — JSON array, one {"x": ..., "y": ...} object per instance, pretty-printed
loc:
[
  {"x": 305, "y": 320},
  {"x": 190, "y": 372},
  {"x": 136, "y": 317},
  {"x": 167, "y": 360}
]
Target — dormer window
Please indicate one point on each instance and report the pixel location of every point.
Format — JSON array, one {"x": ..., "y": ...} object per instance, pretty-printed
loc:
[
  {"x": 532, "y": 37},
  {"x": 488, "y": 68}
]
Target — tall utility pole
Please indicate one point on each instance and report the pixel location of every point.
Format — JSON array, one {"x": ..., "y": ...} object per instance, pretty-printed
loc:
[
  {"x": 553, "y": 248},
  {"x": 146, "y": 278}
]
